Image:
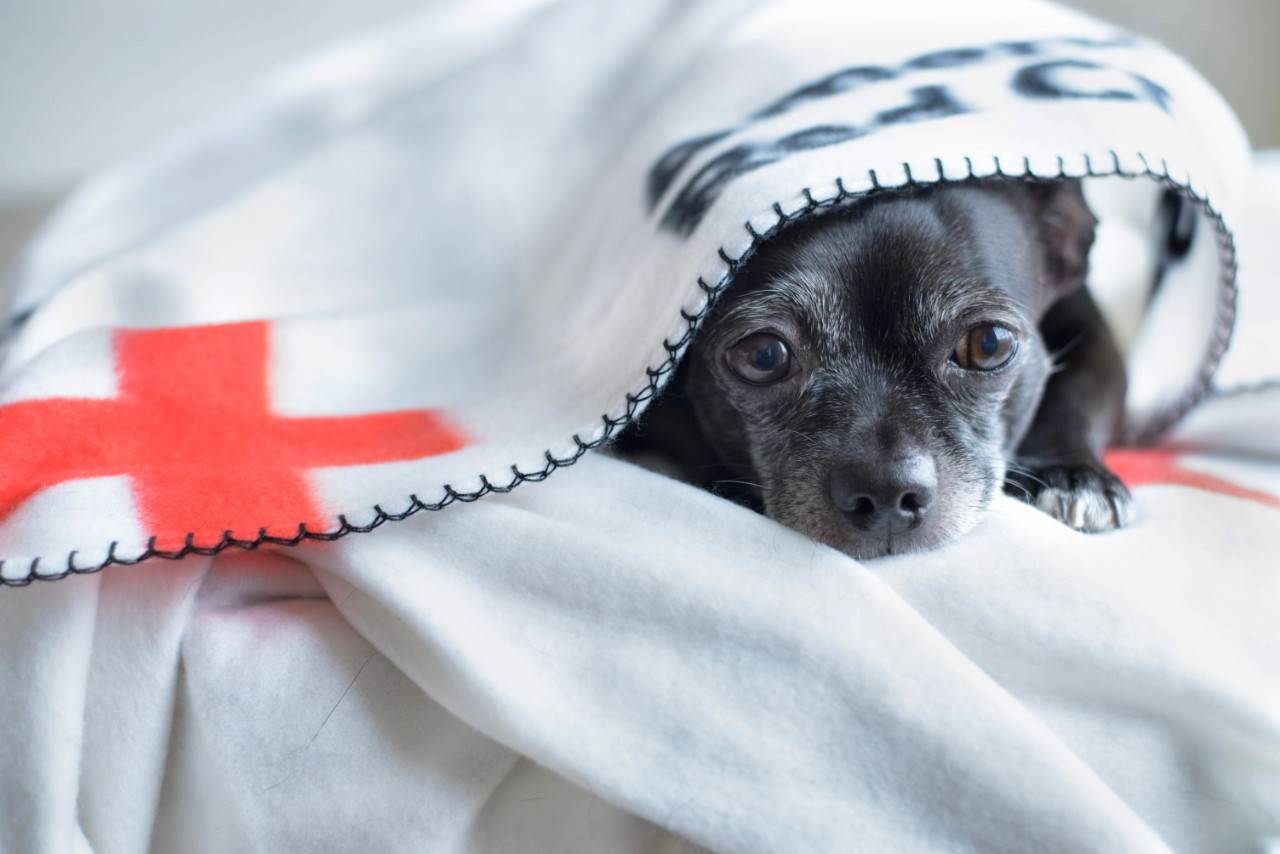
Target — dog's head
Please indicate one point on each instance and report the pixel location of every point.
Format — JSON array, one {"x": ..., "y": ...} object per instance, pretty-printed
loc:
[{"x": 872, "y": 369}]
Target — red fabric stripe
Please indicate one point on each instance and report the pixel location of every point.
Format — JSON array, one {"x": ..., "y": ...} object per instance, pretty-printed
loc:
[
  {"x": 1161, "y": 465},
  {"x": 194, "y": 431}
]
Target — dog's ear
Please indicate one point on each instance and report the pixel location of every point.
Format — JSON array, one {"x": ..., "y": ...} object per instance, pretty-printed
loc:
[{"x": 1066, "y": 230}]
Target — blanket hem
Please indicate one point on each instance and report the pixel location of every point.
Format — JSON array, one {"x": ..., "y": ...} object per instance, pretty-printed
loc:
[{"x": 635, "y": 403}]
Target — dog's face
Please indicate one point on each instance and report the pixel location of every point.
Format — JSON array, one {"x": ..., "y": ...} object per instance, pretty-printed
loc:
[{"x": 872, "y": 369}]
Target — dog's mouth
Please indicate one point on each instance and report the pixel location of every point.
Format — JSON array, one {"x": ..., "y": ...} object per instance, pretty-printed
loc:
[
  {"x": 866, "y": 548},
  {"x": 862, "y": 545},
  {"x": 953, "y": 516}
]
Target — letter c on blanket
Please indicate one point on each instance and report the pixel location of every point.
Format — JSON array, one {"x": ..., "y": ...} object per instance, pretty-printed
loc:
[{"x": 1042, "y": 80}]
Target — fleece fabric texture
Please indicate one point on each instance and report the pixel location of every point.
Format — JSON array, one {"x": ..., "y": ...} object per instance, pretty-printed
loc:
[
  {"x": 450, "y": 258},
  {"x": 344, "y": 274},
  {"x": 636, "y": 664}
]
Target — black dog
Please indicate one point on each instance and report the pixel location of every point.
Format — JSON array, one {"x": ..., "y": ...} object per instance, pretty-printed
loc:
[{"x": 876, "y": 374}]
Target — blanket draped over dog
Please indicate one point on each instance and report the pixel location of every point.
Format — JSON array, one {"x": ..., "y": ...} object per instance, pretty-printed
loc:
[{"x": 451, "y": 259}]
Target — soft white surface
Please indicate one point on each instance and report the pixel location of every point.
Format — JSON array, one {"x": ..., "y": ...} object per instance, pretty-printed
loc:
[
  {"x": 453, "y": 211},
  {"x": 1252, "y": 357},
  {"x": 612, "y": 661},
  {"x": 633, "y": 654}
]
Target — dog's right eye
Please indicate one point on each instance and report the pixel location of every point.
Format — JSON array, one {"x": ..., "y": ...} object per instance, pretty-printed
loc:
[
  {"x": 760, "y": 358},
  {"x": 985, "y": 347}
]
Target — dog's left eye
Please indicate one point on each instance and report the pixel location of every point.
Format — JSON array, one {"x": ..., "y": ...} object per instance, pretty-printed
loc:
[
  {"x": 985, "y": 347},
  {"x": 760, "y": 358}
]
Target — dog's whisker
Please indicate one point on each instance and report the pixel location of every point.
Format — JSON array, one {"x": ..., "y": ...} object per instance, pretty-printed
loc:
[
  {"x": 1058, "y": 355},
  {"x": 1027, "y": 473},
  {"x": 1025, "y": 492},
  {"x": 810, "y": 442},
  {"x": 740, "y": 482}
]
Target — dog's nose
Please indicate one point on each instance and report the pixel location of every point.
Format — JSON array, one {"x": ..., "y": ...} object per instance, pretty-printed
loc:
[{"x": 894, "y": 495}]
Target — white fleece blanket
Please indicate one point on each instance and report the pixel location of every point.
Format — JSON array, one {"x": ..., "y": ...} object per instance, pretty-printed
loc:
[
  {"x": 610, "y": 660},
  {"x": 636, "y": 659},
  {"x": 449, "y": 259}
]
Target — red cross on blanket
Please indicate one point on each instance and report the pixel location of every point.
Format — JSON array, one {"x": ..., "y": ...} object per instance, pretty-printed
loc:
[
  {"x": 193, "y": 429},
  {"x": 1161, "y": 465}
]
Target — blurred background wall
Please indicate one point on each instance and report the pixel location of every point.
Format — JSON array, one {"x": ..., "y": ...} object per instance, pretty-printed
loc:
[{"x": 84, "y": 82}]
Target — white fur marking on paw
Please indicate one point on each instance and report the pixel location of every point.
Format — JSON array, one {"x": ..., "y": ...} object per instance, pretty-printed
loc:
[{"x": 1083, "y": 509}]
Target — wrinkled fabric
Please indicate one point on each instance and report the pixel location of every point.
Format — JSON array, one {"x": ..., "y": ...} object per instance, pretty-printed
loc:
[
  {"x": 636, "y": 658},
  {"x": 450, "y": 257},
  {"x": 608, "y": 660}
]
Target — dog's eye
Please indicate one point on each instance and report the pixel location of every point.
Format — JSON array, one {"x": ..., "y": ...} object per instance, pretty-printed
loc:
[
  {"x": 985, "y": 347},
  {"x": 760, "y": 358}
]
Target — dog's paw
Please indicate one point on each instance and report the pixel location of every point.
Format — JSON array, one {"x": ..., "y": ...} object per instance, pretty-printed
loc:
[{"x": 1083, "y": 496}]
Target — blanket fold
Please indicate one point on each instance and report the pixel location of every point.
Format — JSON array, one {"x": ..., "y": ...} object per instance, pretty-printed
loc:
[
  {"x": 455, "y": 256},
  {"x": 452, "y": 258},
  {"x": 640, "y": 659}
]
